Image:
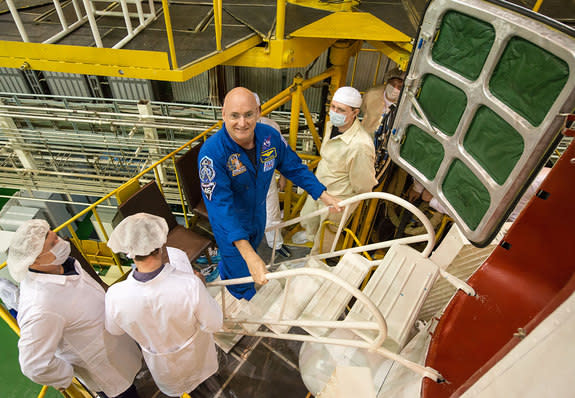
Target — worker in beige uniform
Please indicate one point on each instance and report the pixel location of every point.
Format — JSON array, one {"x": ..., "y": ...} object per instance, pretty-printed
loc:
[
  {"x": 377, "y": 100},
  {"x": 346, "y": 167}
]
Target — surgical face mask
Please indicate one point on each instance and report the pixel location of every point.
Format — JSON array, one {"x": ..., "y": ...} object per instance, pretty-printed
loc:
[
  {"x": 61, "y": 250},
  {"x": 337, "y": 119},
  {"x": 392, "y": 93}
]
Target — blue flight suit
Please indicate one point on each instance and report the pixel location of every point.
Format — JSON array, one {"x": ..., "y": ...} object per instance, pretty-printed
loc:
[{"x": 235, "y": 192}]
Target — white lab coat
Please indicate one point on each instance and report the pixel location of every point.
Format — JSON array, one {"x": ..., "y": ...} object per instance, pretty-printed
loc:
[
  {"x": 179, "y": 259},
  {"x": 172, "y": 317},
  {"x": 63, "y": 335}
]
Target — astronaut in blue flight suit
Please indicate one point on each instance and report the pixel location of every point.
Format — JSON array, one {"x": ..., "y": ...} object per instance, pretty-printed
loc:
[{"x": 236, "y": 166}]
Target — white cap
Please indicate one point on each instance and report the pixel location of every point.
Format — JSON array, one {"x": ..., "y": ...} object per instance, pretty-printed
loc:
[
  {"x": 139, "y": 235},
  {"x": 258, "y": 99},
  {"x": 348, "y": 96},
  {"x": 25, "y": 247}
]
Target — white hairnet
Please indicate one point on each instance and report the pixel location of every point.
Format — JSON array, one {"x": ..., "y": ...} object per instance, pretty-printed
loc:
[
  {"x": 139, "y": 235},
  {"x": 26, "y": 246},
  {"x": 348, "y": 96}
]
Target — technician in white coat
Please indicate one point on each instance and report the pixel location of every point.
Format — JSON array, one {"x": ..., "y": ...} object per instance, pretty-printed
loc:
[
  {"x": 167, "y": 311},
  {"x": 61, "y": 318}
]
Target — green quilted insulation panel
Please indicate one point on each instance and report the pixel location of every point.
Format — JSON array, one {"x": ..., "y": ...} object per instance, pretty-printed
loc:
[
  {"x": 422, "y": 151},
  {"x": 463, "y": 44},
  {"x": 442, "y": 103},
  {"x": 487, "y": 79},
  {"x": 528, "y": 79},
  {"x": 493, "y": 143},
  {"x": 466, "y": 193}
]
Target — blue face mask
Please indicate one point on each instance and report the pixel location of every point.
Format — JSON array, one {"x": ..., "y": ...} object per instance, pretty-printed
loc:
[{"x": 337, "y": 119}]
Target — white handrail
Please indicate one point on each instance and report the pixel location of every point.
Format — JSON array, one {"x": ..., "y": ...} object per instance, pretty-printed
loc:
[
  {"x": 378, "y": 324},
  {"x": 430, "y": 233},
  {"x": 360, "y": 296}
]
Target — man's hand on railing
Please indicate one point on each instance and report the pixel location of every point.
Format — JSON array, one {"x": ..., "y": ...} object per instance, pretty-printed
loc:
[
  {"x": 256, "y": 265},
  {"x": 330, "y": 201},
  {"x": 258, "y": 270}
]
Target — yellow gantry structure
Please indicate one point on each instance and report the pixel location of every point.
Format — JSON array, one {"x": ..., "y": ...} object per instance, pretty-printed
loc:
[{"x": 282, "y": 34}]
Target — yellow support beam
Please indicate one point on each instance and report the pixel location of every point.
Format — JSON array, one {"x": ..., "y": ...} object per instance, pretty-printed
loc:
[
  {"x": 279, "y": 54},
  {"x": 218, "y": 23},
  {"x": 351, "y": 26},
  {"x": 280, "y": 19},
  {"x": 293, "y": 130},
  {"x": 340, "y": 5},
  {"x": 83, "y": 60},
  {"x": 169, "y": 32},
  {"x": 537, "y": 5},
  {"x": 136, "y": 64},
  {"x": 397, "y": 52},
  {"x": 210, "y": 61}
]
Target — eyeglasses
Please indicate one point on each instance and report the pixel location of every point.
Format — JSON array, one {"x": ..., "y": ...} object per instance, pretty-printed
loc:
[{"x": 248, "y": 115}]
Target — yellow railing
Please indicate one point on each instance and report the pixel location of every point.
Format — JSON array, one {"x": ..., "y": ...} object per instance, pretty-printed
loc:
[
  {"x": 349, "y": 237},
  {"x": 294, "y": 93},
  {"x": 170, "y": 33}
]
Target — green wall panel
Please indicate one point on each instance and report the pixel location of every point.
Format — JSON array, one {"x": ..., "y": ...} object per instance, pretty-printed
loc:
[
  {"x": 493, "y": 143},
  {"x": 466, "y": 193},
  {"x": 463, "y": 44},
  {"x": 422, "y": 151},
  {"x": 442, "y": 103},
  {"x": 528, "y": 79}
]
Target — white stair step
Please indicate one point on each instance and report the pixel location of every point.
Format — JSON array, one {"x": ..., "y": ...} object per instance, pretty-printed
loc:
[
  {"x": 266, "y": 304},
  {"x": 257, "y": 307},
  {"x": 301, "y": 290},
  {"x": 398, "y": 288},
  {"x": 330, "y": 300}
]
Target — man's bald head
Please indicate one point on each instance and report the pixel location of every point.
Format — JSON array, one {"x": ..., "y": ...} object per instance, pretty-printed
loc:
[
  {"x": 241, "y": 113},
  {"x": 239, "y": 94}
]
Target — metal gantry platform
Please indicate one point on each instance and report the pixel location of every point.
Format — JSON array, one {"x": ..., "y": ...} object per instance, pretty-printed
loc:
[{"x": 178, "y": 40}]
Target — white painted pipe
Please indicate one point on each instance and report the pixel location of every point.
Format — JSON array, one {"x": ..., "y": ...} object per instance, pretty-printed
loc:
[
  {"x": 60, "y": 14},
  {"x": 17, "y": 21},
  {"x": 93, "y": 25}
]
